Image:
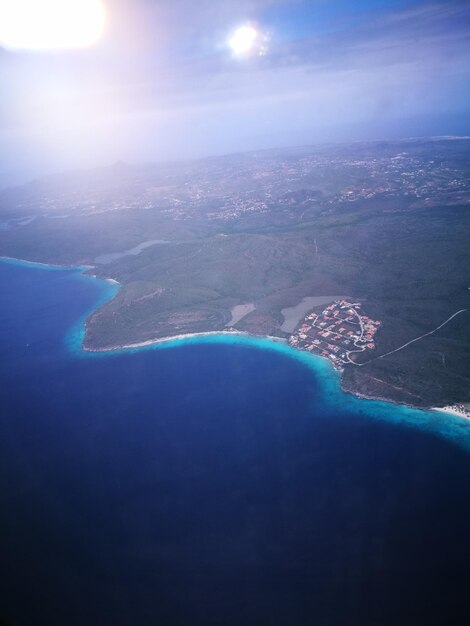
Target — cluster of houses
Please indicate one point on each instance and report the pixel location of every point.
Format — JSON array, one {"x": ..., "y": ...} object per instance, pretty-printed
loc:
[{"x": 338, "y": 333}]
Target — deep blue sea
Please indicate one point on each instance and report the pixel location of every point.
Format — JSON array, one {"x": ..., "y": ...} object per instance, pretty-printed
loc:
[{"x": 220, "y": 483}]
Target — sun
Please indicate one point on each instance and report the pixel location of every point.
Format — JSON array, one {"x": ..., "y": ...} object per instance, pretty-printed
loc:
[
  {"x": 243, "y": 40},
  {"x": 50, "y": 24}
]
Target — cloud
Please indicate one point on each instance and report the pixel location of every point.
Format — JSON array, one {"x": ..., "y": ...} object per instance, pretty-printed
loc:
[
  {"x": 424, "y": 31},
  {"x": 163, "y": 73},
  {"x": 413, "y": 49}
]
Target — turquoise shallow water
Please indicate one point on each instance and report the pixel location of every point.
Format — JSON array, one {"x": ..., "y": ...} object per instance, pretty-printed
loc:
[
  {"x": 451, "y": 427},
  {"x": 213, "y": 480}
]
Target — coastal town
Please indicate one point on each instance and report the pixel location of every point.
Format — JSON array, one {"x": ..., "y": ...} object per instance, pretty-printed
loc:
[{"x": 339, "y": 333}]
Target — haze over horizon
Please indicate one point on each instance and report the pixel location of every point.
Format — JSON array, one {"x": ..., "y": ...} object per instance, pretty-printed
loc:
[{"x": 165, "y": 82}]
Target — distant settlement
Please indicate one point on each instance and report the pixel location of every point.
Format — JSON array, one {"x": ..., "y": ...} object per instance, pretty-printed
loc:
[{"x": 339, "y": 333}]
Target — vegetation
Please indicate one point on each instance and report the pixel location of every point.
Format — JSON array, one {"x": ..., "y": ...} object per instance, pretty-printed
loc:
[{"x": 384, "y": 223}]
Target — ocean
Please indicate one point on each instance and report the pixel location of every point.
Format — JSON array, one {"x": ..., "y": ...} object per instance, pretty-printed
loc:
[{"x": 222, "y": 481}]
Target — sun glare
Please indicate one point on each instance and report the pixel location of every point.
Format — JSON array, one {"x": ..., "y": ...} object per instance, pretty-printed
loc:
[
  {"x": 243, "y": 40},
  {"x": 50, "y": 24}
]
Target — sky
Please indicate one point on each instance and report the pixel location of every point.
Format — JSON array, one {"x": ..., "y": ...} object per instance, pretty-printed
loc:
[{"x": 162, "y": 82}]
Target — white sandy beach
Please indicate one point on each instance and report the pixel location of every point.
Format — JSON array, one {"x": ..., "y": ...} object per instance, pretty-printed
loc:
[
  {"x": 212, "y": 333},
  {"x": 151, "y": 342},
  {"x": 453, "y": 410}
]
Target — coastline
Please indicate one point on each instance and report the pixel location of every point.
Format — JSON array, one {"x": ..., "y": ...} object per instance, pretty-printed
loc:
[
  {"x": 448, "y": 410},
  {"x": 363, "y": 396},
  {"x": 448, "y": 424},
  {"x": 453, "y": 409},
  {"x": 151, "y": 342},
  {"x": 44, "y": 266},
  {"x": 183, "y": 336},
  {"x": 75, "y": 340}
]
